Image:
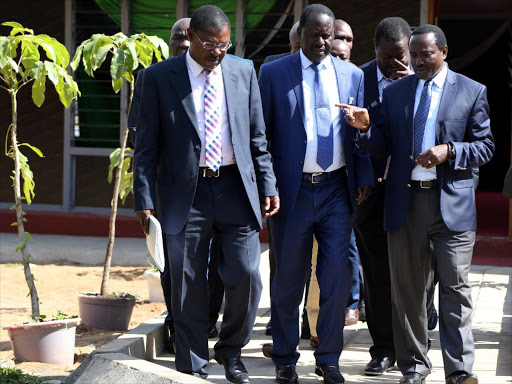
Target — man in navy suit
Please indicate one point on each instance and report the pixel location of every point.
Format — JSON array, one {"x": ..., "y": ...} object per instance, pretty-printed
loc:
[
  {"x": 201, "y": 161},
  {"x": 391, "y": 63},
  {"x": 317, "y": 171},
  {"x": 435, "y": 125}
]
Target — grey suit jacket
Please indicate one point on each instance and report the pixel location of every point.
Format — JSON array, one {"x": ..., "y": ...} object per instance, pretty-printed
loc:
[{"x": 168, "y": 145}]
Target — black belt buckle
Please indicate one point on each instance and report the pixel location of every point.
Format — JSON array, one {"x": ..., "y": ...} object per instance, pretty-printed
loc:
[
  {"x": 205, "y": 172},
  {"x": 313, "y": 177},
  {"x": 424, "y": 187}
]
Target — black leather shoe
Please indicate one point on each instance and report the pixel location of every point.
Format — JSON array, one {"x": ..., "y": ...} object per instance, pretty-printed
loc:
[
  {"x": 378, "y": 366},
  {"x": 462, "y": 377},
  {"x": 412, "y": 378},
  {"x": 196, "y": 374},
  {"x": 268, "y": 328},
  {"x": 330, "y": 372},
  {"x": 212, "y": 331},
  {"x": 432, "y": 319},
  {"x": 286, "y": 374},
  {"x": 235, "y": 369}
]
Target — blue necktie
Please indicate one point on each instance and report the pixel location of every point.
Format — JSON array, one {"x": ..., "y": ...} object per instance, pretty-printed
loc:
[
  {"x": 324, "y": 154},
  {"x": 420, "y": 119}
]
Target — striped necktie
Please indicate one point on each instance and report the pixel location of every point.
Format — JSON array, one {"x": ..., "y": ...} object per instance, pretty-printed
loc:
[
  {"x": 213, "y": 139},
  {"x": 420, "y": 118}
]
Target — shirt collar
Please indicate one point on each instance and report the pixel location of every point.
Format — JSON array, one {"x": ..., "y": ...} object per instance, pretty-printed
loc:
[
  {"x": 197, "y": 69},
  {"x": 306, "y": 63},
  {"x": 380, "y": 76},
  {"x": 438, "y": 79}
]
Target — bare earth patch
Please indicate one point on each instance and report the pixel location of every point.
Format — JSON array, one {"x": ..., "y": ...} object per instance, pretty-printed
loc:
[{"x": 57, "y": 286}]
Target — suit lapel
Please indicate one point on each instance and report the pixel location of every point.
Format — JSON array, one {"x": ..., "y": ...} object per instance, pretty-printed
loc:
[
  {"x": 449, "y": 91},
  {"x": 180, "y": 82},
  {"x": 371, "y": 87},
  {"x": 230, "y": 90},
  {"x": 296, "y": 78},
  {"x": 409, "y": 108}
]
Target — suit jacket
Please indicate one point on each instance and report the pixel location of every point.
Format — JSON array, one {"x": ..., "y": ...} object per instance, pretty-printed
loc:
[
  {"x": 271, "y": 58},
  {"x": 373, "y": 104},
  {"x": 168, "y": 145},
  {"x": 463, "y": 119},
  {"x": 507, "y": 184},
  {"x": 283, "y": 106},
  {"x": 137, "y": 93}
]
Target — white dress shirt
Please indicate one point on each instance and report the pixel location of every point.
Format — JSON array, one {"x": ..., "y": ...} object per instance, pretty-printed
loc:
[
  {"x": 328, "y": 78},
  {"x": 382, "y": 82},
  {"x": 429, "y": 137},
  {"x": 197, "y": 80}
]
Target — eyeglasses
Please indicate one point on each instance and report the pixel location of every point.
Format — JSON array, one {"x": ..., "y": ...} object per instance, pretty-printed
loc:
[{"x": 210, "y": 46}]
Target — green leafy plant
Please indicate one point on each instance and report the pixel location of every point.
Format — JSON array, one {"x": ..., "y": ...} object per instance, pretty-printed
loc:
[
  {"x": 123, "y": 295},
  {"x": 58, "y": 316},
  {"x": 127, "y": 54},
  {"x": 17, "y": 376},
  {"x": 25, "y": 59},
  {"x": 154, "y": 268}
]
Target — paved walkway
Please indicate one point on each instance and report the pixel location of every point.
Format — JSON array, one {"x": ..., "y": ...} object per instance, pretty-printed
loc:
[{"x": 492, "y": 329}]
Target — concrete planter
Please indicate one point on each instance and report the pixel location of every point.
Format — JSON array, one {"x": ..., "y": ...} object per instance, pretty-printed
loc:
[
  {"x": 156, "y": 294},
  {"x": 110, "y": 313},
  {"x": 50, "y": 342}
]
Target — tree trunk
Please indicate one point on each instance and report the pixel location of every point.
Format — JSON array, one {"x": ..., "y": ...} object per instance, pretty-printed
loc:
[
  {"x": 23, "y": 248},
  {"x": 115, "y": 199}
]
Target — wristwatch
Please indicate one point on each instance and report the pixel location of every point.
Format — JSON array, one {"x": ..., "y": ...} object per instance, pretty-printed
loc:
[{"x": 451, "y": 150}]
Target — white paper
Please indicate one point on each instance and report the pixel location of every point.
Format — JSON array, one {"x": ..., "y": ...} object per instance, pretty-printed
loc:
[{"x": 155, "y": 243}]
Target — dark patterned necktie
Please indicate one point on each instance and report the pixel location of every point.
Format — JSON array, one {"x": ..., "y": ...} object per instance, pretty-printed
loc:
[{"x": 420, "y": 118}]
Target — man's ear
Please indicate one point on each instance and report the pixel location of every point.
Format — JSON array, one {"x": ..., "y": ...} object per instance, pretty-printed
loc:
[
  {"x": 445, "y": 52},
  {"x": 190, "y": 34}
]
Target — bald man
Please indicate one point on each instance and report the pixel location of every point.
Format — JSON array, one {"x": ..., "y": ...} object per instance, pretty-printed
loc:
[
  {"x": 294, "y": 44},
  {"x": 340, "y": 50},
  {"x": 343, "y": 31}
]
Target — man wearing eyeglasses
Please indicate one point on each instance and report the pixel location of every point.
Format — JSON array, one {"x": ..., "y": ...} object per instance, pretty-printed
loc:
[{"x": 201, "y": 161}]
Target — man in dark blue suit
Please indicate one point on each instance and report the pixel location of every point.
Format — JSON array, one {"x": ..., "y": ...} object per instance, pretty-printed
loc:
[
  {"x": 435, "y": 125},
  {"x": 391, "y": 63},
  {"x": 317, "y": 171},
  {"x": 201, "y": 161}
]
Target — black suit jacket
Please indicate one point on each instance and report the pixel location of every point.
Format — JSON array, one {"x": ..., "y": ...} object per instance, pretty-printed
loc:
[
  {"x": 373, "y": 104},
  {"x": 270, "y": 58},
  {"x": 166, "y": 159}
]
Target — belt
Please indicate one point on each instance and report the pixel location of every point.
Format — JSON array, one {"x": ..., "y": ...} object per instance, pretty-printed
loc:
[
  {"x": 424, "y": 184},
  {"x": 207, "y": 172},
  {"x": 320, "y": 177}
]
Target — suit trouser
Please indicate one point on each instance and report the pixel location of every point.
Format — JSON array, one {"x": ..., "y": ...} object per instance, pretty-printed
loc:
[
  {"x": 215, "y": 286},
  {"x": 322, "y": 210},
  {"x": 313, "y": 297},
  {"x": 219, "y": 206},
  {"x": 372, "y": 245},
  {"x": 410, "y": 265}
]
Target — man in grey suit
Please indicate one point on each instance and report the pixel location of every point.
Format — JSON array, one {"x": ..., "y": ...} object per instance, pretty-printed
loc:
[
  {"x": 201, "y": 161},
  {"x": 435, "y": 126}
]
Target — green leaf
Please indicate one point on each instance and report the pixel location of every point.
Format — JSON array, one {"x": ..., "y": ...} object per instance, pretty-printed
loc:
[
  {"x": 22, "y": 245},
  {"x": 49, "y": 50},
  {"x": 4, "y": 44},
  {"x": 119, "y": 38},
  {"x": 28, "y": 236},
  {"x": 60, "y": 51},
  {"x": 164, "y": 47},
  {"x": 13, "y": 24},
  {"x": 38, "y": 70},
  {"x": 87, "y": 54},
  {"x": 53, "y": 75},
  {"x": 100, "y": 55},
  {"x": 15, "y": 224},
  {"x": 66, "y": 93},
  {"x": 13, "y": 64},
  {"x": 117, "y": 65},
  {"x": 114, "y": 162},
  {"x": 38, "y": 90},
  {"x": 131, "y": 56},
  {"x": 35, "y": 149},
  {"x": 117, "y": 84}
]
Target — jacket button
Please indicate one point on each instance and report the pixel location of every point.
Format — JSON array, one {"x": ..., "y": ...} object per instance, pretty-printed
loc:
[
  {"x": 409, "y": 185},
  {"x": 305, "y": 142},
  {"x": 198, "y": 146},
  {"x": 301, "y": 163},
  {"x": 379, "y": 179}
]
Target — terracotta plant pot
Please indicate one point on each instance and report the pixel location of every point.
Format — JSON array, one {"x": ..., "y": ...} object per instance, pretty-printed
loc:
[
  {"x": 50, "y": 342},
  {"x": 155, "y": 291},
  {"x": 110, "y": 313}
]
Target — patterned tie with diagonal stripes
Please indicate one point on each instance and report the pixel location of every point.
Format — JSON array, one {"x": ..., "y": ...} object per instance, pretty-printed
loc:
[
  {"x": 213, "y": 139},
  {"x": 420, "y": 118}
]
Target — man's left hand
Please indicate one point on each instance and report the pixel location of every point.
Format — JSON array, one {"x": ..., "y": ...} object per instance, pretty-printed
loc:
[
  {"x": 433, "y": 156},
  {"x": 402, "y": 72},
  {"x": 362, "y": 193},
  {"x": 270, "y": 206}
]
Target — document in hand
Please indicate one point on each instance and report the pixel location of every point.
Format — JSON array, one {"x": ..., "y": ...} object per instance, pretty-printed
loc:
[{"x": 155, "y": 243}]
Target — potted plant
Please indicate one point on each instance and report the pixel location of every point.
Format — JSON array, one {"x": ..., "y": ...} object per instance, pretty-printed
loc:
[
  {"x": 100, "y": 310},
  {"x": 155, "y": 291},
  {"x": 22, "y": 63}
]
